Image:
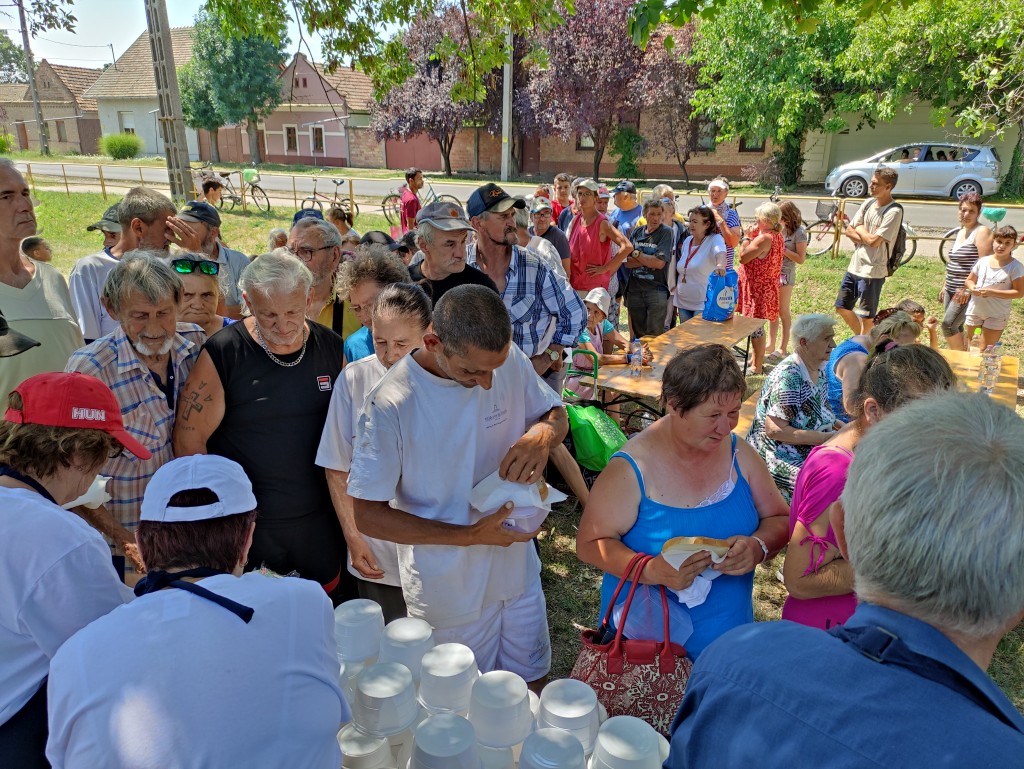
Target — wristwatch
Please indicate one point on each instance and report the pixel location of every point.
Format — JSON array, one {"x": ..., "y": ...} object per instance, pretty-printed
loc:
[
  {"x": 764, "y": 547},
  {"x": 553, "y": 354}
]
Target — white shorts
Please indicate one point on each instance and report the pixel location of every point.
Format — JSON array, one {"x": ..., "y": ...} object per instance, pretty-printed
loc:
[
  {"x": 510, "y": 635},
  {"x": 992, "y": 324}
]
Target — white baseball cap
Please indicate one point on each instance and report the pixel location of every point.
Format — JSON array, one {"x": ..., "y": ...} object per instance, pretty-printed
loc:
[
  {"x": 719, "y": 184},
  {"x": 220, "y": 475},
  {"x": 601, "y": 298}
]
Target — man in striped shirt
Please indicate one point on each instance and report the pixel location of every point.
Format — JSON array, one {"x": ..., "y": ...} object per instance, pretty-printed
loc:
[{"x": 145, "y": 362}]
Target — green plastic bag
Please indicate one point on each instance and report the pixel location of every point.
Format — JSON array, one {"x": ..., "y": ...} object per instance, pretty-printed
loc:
[{"x": 595, "y": 436}]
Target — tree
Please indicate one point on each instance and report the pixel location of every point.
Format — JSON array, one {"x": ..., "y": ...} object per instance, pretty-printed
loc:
[
  {"x": 243, "y": 74},
  {"x": 969, "y": 69},
  {"x": 761, "y": 76},
  {"x": 425, "y": 103},
  {"x": 197, "y": 104},
  {"x": 673, "y": 124},
  {"x": 13, "y": 67},
  {"x": 595, "y": 77}
]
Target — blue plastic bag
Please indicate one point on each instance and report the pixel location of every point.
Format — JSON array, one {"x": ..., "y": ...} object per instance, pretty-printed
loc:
[
  {"x": 720, "y": 301},
  {"x": 646, "y": 621}
]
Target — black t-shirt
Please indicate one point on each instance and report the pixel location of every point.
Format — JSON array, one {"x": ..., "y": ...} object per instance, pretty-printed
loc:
[
  {"x": 557, "y": 238},
  {"x": 274, "y": 417},
  {"x": 657, "y": 244},
  {"x": 436, "y": 288}
]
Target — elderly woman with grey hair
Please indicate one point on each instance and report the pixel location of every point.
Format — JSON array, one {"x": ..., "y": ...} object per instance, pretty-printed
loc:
[
  {"x": 793, "y": 414},
  {"x": 201, "y": 280},
  {"x": 259, "y": 395},
  {"x": 360, "y": 280}
]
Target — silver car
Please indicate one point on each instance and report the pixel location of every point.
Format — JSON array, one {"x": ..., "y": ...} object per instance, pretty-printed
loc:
[{"x": 935, "y": 169}]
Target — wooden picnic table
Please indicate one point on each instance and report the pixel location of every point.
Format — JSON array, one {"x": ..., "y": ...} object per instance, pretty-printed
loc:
[
  {"x": 965, "y": 365},
  {"x": 617, "y": 380}
]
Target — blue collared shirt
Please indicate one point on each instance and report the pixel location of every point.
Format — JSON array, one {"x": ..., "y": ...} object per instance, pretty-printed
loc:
[
  {"x": 784, "y": 695},
  {"x": 534, "y": 295}
]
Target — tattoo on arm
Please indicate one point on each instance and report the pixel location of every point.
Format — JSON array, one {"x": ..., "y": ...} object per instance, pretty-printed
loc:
[{"x": 194, "y": 401}]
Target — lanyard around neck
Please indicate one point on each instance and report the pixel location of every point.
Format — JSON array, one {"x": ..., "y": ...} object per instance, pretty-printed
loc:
[{"x": 10, "y": 472}]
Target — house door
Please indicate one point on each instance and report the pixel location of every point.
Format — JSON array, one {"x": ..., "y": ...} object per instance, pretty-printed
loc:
[{"x": 22, "y": 136}]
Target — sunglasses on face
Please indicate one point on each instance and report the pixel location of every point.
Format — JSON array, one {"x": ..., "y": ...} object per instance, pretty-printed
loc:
[{"x": 188, "y": 266}]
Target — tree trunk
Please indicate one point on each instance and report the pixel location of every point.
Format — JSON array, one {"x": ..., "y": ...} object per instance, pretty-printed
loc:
[
  {"x": 791, "y": 158},
  {"x": 214, "y": 147},
  {"x": 446, "y": 143},
  {"x": 251, "y": 128},
  {"x": 1012, "y": 185},
  {"x": 598, "y": 156}
]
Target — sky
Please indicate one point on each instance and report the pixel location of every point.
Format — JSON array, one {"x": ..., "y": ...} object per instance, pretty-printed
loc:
[{"x": 102, "y": 23}]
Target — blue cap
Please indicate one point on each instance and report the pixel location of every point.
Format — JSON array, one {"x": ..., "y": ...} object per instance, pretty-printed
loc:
[
  {"x": 307, "y": 213},
  {"x": 200, "y": 211},
  {"x": 491, "y": 197}
]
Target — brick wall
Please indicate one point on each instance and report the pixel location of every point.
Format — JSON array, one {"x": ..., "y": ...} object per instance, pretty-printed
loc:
[
  {"x": 367, "y": 152},
  {"x": 464, "y": 152}
]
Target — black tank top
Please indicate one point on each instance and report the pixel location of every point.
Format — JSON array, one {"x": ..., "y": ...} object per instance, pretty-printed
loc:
[{"x": 274, "y": 416}]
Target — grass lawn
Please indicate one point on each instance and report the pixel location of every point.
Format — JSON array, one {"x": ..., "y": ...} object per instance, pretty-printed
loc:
[{"x": 572, "y": 588}]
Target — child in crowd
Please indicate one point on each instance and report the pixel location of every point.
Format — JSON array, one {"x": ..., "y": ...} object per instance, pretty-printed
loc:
[
  {"x": 993, "y": 284},
  {"x": 917, "y": 313},
  {"x": 37, "y": 248}
]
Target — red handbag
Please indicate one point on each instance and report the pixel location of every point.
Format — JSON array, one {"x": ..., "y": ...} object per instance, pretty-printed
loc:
[{"x": 634, "y": 677}]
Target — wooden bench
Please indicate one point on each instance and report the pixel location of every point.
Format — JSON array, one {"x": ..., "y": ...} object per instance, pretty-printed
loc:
[{"x": 747, "y": 414}]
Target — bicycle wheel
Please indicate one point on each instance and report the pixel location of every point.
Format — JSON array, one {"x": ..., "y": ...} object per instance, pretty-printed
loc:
[
  {"x": 229, "y": 200},
  {"x": 820, "y": 237},
  {"x": 450, "y": 199},
  {"x": 259, "y": 197},
  {"x": 911, "y": 248},
  {"x": 392, "y": 207},
  {"x": 312, "y": 203},
  {"x": 947, "y": 242}
]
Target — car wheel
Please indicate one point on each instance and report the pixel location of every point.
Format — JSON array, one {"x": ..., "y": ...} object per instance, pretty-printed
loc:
[
  {"x": 854, "y": 187},
  {"x": 962, "y": 188}
]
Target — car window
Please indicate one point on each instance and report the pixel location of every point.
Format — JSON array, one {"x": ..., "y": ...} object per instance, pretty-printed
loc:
[{"x": 966, "y": 153}]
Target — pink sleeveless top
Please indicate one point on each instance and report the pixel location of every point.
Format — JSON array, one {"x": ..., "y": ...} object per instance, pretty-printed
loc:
[{"x": 586, "y": 248}]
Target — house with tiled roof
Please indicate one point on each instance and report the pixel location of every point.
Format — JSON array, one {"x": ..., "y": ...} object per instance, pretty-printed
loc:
[
  {"x": 72, "y": 120},
  {"x": 126, "y": 97}
]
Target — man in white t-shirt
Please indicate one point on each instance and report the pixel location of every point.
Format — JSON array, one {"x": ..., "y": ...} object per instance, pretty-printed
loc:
[
  {"x": 441, "y": 420},
  {"x": 208, "y": 666},
  {"x": 33, "y": 295}
]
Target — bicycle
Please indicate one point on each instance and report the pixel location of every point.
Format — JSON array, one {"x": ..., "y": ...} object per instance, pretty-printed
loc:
[
  {"x": 821, "y": 236},
  {"x": 250, "y": 186},
  {"x": 340, "y": 200},
  {"x": 391, "y": 205},
  {"x": 994, "y": 215}
]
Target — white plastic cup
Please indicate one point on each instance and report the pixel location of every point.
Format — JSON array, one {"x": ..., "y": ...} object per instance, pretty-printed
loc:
[
  {"x": 570, "y": 705},
  {"x": 552, "y": 749},
  {"x": 497, "y": 758},
  {"x": 447, "y": 675},
  {"x": 625, "y": 742},
  {"x": 361, "y": 751},
  {"x": 358, "y": 627},
  {"x": 499, "y": 709},
  {"x": 406, "y": 640},
  {"x": 445, "y": 741},
  {"x": 385, "y": 700}
]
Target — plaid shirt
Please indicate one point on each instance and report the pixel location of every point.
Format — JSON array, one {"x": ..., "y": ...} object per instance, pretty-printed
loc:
[
  {"x": 144, "y": 409},
  {"x": 534, "y": 295}
]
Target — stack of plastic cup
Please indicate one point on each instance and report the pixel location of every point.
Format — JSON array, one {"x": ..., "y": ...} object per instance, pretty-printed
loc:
[
  {"x": 384, "y": 704},
  {"x": 570, "y": 705},
  {"x": 361, "y": 751},
  {"x": 445, "y": 741},
  {"x": 552, "y": 749},
  {"x": 406, "y": 640},
  {"x": 499, "y": 709},
  {"x": 358, "y": 627},
  {"x": 497, "y": 758},
  {"x": 624, "y": 742},
  {"x": 447, "y": 675}
]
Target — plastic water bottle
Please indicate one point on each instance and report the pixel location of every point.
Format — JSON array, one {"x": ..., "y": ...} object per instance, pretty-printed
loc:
[
  {"x": 636, "y": 358},
  {"x": 991, "y": 364}
]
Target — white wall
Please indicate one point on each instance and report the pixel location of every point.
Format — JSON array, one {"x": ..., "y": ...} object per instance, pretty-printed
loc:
[{"x": 145, "y": 124}]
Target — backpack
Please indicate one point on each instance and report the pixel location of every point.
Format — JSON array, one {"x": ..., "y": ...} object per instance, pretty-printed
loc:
[{"x": 899, "y": 246}]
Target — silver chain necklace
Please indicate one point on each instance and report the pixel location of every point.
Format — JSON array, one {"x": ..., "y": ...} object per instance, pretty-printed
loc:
[{"x": 278, "y": 361}]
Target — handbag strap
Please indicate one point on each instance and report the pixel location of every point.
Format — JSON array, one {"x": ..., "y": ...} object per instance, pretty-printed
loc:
[
  {"x": 641, "y": 562},
  {"x": 618, "y": 588}
]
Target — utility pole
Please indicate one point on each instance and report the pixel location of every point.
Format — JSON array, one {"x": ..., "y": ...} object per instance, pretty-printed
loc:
[
  {"x": 171, "y": 121},
  {"x": 506, "y": 110},
  {"x": 44, "y": 138}
]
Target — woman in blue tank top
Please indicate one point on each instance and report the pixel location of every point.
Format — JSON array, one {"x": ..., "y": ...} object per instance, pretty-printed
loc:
[{"x": 687, "y": 475}]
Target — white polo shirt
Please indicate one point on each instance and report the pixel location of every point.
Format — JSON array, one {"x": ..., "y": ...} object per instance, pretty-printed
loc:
[
  {"x": 425, "y": 442},
  {"x": 55, "y": 578},
  {"x": 86, "y": 286},
  {"x": 174, "y": 680}
]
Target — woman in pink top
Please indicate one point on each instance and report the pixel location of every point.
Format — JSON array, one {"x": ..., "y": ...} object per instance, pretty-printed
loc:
[
  {"x": 590, "y": 239},
  {"x": 819, "y": 580}
]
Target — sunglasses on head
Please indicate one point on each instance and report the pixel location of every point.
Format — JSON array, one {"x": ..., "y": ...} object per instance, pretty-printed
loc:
[{"x": 188, "y": 266}]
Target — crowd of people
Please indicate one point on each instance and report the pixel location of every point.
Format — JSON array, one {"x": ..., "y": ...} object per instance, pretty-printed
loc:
[{"x": 283, "y": 433}]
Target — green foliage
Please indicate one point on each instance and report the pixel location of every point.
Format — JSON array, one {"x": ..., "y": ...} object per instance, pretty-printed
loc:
[
  {"x": 13, "y": 67},
  {"x": 7, "y": 143},
  {"x": 121, "y": 146},
  {"x": 44, "y": 15},
  {"x": 197, "y": 103},
  {"x": 627, "y": 146},
  {"x": 1012, "y": 186}
]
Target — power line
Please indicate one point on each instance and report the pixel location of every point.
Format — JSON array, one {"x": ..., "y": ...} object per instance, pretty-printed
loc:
[{"x": 72, "y": 45}]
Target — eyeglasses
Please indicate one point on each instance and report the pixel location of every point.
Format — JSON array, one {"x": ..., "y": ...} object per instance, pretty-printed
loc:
[
  {"x": 306, "y": 254},
  {"x": 188, "y": 266}
]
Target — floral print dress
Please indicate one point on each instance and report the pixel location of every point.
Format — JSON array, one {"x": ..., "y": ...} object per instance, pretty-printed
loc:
[{"x": 759, "y": 283}]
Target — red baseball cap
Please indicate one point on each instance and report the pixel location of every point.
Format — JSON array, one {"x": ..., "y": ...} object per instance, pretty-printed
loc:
[{"x": 76, "y": 400}]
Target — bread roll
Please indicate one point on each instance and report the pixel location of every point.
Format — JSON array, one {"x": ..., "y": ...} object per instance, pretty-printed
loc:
[
  {"x": 695, "y": 544},
  {"x": 542, "y": 487}
]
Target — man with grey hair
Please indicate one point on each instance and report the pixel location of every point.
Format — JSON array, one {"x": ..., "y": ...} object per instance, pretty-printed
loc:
[
  {"x": 474, "y": 392},
  {"x": 259, "y": 394},
  {"x": 205, "y": 220},
  {"x": 33, "y": 295},
  {"x": 145, "y": 361},
  {"x": 441, "y": 232},
  {"x": 317, "y": 243},
  {"x": 938, "y": 562}
]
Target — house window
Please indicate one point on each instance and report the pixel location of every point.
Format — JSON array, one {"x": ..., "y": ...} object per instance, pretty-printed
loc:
[
  {"x": 751, "y": 145},
  {"x": 291, "y": 139},
  {"x": 303, "y": 82},
  {"x": 126, "y": 122},
  {"x": 317, "y": 138},
  {"x": 296, "y": 82},
  {"x": 584, "y": 142},
  {"x": 61, "y": 133},
  {"x": 707, "y": 132}
]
